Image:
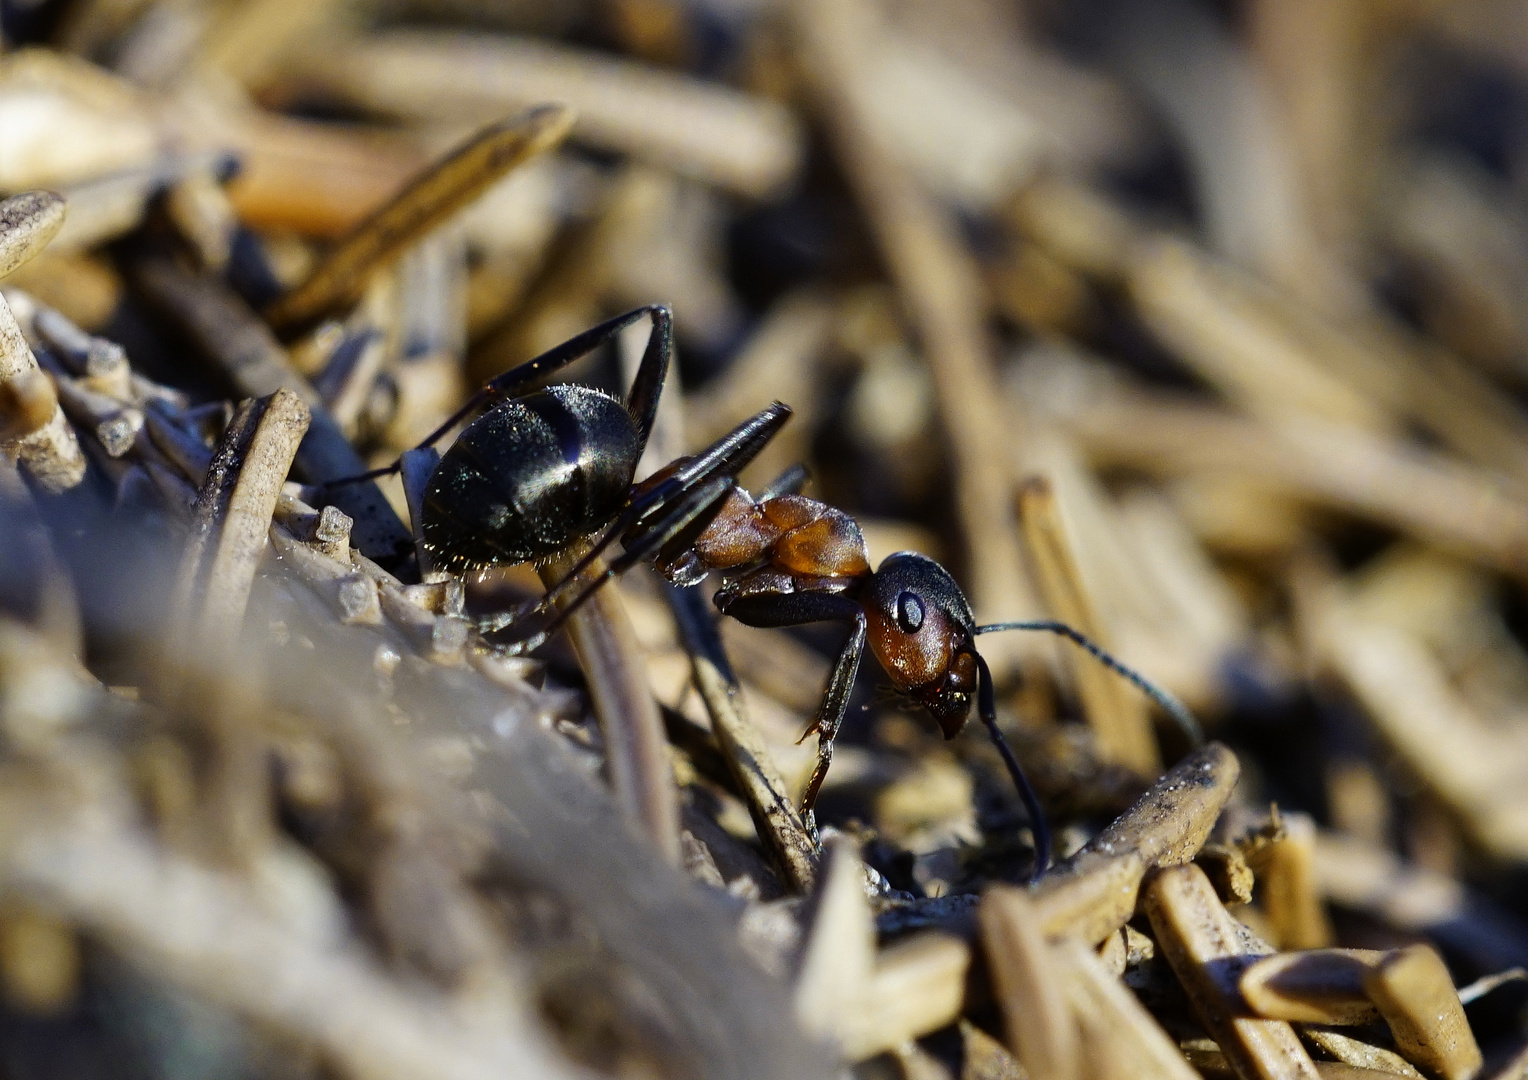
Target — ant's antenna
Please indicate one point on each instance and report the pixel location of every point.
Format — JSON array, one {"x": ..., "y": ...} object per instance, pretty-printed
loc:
[
  {"x": 987, "y": 706},
  {"x": 1175, "y": 708}
]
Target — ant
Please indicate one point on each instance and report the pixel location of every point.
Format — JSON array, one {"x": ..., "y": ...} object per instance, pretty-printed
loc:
[{"x": 542, "y": 468}]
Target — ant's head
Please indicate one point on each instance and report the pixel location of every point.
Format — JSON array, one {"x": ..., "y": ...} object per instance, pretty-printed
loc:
[{"x": 921, "y": 629}]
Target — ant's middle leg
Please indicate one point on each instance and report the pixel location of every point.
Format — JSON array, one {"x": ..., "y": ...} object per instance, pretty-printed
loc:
[
  {"x": 791, "y": 482},
  {"x": 757, "y": 600},
  {"x": 517, "y": 380}
]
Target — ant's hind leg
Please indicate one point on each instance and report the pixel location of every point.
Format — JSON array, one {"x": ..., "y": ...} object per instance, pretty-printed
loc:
[
  {"x": 696, "y": 506},
  {"x": 519, "y": 379},
  {"x": 647, "y": 384},
  {"x": 790, "y": 482}
]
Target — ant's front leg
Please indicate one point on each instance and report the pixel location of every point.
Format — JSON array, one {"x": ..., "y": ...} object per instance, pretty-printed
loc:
[{"x": 769, "y": 598}]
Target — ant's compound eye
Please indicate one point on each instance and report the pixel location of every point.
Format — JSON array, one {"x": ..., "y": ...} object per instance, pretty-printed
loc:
[{"x": 909, "y": 612}]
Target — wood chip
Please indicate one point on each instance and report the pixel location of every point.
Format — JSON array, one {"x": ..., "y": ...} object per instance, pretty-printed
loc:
[
  {"x": 1321, "y": 986},
  {"x": 1039, "y": 1023},
  {"x": 27, "y": 222},
  {"x": 1414, "y": 993},
  {"x": 1200, "y": 941},
  {"x": 1093, "y": 893}
]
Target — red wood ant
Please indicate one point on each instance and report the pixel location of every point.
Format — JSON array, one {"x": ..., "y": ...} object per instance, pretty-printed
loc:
[{"x": 542, "y": 468}]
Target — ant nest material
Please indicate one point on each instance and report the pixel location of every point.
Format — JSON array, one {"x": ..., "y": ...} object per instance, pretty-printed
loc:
[{"x": 450, "y": 478}]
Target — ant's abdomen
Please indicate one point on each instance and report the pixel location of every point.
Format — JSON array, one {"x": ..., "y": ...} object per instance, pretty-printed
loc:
[{"x": 527, "y": 477}]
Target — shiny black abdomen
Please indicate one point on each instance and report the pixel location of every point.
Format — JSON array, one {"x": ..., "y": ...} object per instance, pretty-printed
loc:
[{"x": 528, "y": 476}]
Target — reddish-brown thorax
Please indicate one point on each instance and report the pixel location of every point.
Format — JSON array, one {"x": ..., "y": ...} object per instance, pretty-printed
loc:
[{"x": 791, "y": 533}]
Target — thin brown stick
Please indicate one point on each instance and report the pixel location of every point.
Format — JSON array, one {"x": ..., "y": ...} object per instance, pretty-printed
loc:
[
  {"x": 636, "y": 749},
  {"x": 421, "y": 206},
  {"x": 233, "y": 515}
]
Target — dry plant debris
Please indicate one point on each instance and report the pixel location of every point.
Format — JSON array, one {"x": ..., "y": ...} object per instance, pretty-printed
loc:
[{"x": 1197, "y": 325}]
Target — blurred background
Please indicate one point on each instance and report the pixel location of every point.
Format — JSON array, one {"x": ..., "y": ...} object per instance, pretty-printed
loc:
[{"x": 1200, "y": 324}]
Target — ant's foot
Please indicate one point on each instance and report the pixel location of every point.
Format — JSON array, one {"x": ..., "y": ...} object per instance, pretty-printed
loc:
[{"x": 809, "y": 823}]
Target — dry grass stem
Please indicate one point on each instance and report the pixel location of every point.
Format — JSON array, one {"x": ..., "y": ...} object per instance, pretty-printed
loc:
[
  {"x": 423, "y": 205},
  {"x": 749, "y": 145},
  {"x": 233, "y": 515},
  {"x": 636, "y": 752},
  {"x": 1114, "y": 710}
]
